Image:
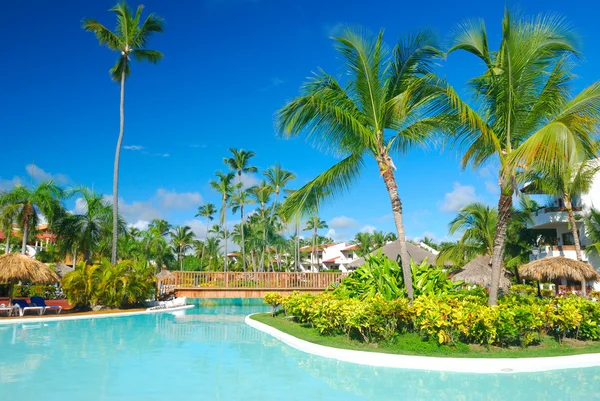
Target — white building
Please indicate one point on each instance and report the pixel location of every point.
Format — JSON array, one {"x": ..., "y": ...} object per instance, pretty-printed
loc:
[
  {"x": 553, "y": 219},
  {"x": 327, "y": 257}
]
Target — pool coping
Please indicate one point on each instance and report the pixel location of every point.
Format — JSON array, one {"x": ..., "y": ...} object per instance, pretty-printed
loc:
[
  {"x": 99, "y": 316},
  {"x": 445, "y": 364}
]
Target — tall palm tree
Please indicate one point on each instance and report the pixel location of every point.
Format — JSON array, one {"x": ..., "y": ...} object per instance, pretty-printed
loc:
[
  {"x": 8, "y": 215},
  {"x": 208, "y": 210},
  {"x": 525, "y": 114},
  {"x": 314, "y": 224},
  {"x": 239, "y": 163},
  {"x": 364, "y": 242},
  {"x": 225, "y": 187},
  {"x": 278, "y": 178},
  {"x": 383, "y": 109},
  {"x": 592, "y": 226},
  {"x": 29, "y": 203},
  {"x": 181, "y": 238},
  {"x": 82, "y": 232},
  {"x": 238, "y": 201},
  {"x": 262, "y": 195},
  {"x": 159, "y": 227},
  {"x": 129, "y": 39}
]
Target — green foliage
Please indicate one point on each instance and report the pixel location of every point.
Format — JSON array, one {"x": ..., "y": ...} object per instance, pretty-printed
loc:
[
  {"x": 428, "y": 279},
  {"x": 125, "y": 284},
  {"x": 273, "y": 299},
  {"x": 36, "y": 290},
  {"x": 457, "y": 318}
]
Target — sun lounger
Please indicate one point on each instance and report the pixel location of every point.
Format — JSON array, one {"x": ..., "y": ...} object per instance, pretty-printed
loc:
[
  {"x": 9, "y": 310},
  {"x": 24, "y": 307},
  {"x": 39, "y": 301}
]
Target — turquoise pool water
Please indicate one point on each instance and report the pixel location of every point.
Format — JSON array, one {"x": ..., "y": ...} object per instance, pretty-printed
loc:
[{"x": 208, "y": 353}]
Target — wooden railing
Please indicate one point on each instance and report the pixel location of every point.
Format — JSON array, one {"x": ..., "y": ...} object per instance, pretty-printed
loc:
[{"x": 255, "y": 280}]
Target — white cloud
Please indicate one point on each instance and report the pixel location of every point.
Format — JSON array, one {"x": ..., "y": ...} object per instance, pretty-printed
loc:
[
  {"x": 178, "y": 200},
  {"x": 460, "y": 196},
  {"x": 368, "y": 229},
  {"x": 6, "y": 185},
  {"x": 80, "y": 206},
  {"x": 141, "y": 225},
  {"x": 248, "y": 180},
  {"x": 337, "y": 237},
  {"x": 40, "y": 174},
  {"x": 133, "y": 147},
  {"x": 342, "y": 222},
  {"x": 198, "y": 227}
]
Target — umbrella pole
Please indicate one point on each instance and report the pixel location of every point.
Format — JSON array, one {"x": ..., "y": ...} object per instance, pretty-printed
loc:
[
  {"x": 10, "y": 291},
  {"x": 583, "y": 290},
  {"x": 539, "y": 289}
]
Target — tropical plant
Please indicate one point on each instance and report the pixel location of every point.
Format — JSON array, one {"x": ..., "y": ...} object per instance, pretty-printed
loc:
[
  {"x": 208, "y": 210},
  {"x": 526, "y": 117},
  {"x": 8, "y": 215},
  {"x": 377, "y": 276},
  {"x": 129, "y": 39},
  {"x": 363, "y": 240},
  {"x": 29, "y": 203},
  {"x": 385, "y": 108},
  {"x": 431, "y": 280},
  {"x": 592, "y": 227},
  {"x": 225, "y": 187},
  {"x": 181, "y": 238},
  {"x": 314, "y": 224},
  {"x": 238, "y": 201}
]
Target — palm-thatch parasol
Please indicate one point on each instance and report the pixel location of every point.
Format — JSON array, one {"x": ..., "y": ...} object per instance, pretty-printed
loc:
[
  {"x": 557, "y": 267},
  {"x": 16, "y": 267},
  {"x": 479, "y": 271}
]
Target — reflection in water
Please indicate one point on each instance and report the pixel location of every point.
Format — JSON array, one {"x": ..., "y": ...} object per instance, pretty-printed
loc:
[{"x": 210, "y": 354}]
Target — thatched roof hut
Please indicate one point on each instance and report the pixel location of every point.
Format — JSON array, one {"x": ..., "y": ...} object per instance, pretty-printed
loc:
[
  {"x": 392, "y": 252},
  {"x": 479, "y": 271},
  {"x": 163, "y": 273},
  {"x": 15, "y": 267},
  {"x": 61, "y": 269},
  {"x": 558, "y": 267}
]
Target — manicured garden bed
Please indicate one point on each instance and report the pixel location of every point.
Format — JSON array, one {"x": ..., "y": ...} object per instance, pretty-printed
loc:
[{"x": 414, "y": 344}]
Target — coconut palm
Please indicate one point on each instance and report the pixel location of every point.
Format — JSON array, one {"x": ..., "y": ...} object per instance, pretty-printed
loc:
[
  {"x": 82, "y": 232},
  {"x": 525, "y": 116},
  {"x": 159, "y": 227},
  {"x": 592, "y": 227},
  {"x": 30, "y": 203},
  {"x": 314, "y": 224},
  {"x": 238, "y": 201},
  {"x": 383, "y": 109},
  {"x": 8, "y": 215},
  {"x": 262, "y": 195},
  {"x": 129, "y": 39},
  {"x": 208, "y": 210},
  {"x": 181, "y": 239},
  {"x": 278, "y": 178},
  {"x": 240, "y": 163},
  {"x": 225, "y": 187},
  {"x": 363, "y": 240}
]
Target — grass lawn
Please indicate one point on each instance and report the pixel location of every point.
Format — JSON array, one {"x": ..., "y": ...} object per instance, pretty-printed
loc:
[{"x": 413, "y": 344}]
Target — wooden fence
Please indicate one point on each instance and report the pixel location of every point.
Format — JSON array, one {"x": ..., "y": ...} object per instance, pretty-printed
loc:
[{"x": 250, "y": 280}]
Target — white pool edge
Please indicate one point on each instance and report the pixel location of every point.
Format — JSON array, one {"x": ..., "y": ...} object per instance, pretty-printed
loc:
[
  {"x": 462, "y": 365},
  {"x": 99, "y": 316}
]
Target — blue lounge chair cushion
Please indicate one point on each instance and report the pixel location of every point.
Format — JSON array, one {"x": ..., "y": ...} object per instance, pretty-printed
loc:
[
  {"x": 39, "y": 301},
  {"x": 21, "y": 302}
]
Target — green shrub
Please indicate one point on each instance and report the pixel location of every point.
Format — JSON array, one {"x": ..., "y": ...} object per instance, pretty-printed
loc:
[{"x": 273, "y": 299}]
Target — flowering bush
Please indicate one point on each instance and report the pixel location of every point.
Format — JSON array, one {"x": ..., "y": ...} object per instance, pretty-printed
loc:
[{"x": 459, "y": 317}]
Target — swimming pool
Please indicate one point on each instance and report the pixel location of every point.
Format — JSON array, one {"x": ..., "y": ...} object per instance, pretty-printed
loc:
[{"x": 209, "y": 353}]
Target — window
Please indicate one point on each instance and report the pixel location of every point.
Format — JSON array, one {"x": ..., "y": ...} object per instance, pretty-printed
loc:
[{"x": 567, "y": 239}]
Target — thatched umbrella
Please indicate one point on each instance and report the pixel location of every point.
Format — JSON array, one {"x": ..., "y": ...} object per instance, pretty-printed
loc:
[
  {"x": 479, "y": 271},
  {"x": 16, "y": 267},
  {"x": 557, "y": 267}
]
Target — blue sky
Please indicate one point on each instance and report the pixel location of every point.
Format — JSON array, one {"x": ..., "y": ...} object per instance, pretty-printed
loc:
[{"x": 228, "y": 66}]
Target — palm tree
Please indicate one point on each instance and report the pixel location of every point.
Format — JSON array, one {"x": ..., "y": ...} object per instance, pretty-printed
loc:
[
  {"x": 159, "y": 227},
  {"x": 240, "y": 163},
  {"x": 28, "y": 204},
  {"x": 592, "y": 226},
  {"x": 224, "y": 186},
  {"x": 477, "y": 222},
  {"x": 8, "y": 215},
  {"x": 181, "y": 238},
  {"x": 315, "y": 223},
  {"x": 526, "y": 117},
  {"x": 364, "y": 242},
  {"x": 129, "y": 40},
  {"x": 83, "y": 232},
  {"x": 208, "y": 210},
  {"x": 238, "y": 201},
  {"x": 278, "y": 178},
  {"x": 262, "y": 195},
  {"x": 383, "y": 109}
]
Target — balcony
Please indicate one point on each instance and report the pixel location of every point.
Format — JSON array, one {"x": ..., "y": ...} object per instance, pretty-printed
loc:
[
  {"x": 551, "y": 217},
  {"x": 545, "y": 251}
]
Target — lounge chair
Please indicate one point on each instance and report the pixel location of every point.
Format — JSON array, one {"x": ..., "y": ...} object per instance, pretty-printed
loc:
[
  {"x": 8, "y": 309},
  {"x": 24, "y": 307},
  {"x": 39, "y": 301}
]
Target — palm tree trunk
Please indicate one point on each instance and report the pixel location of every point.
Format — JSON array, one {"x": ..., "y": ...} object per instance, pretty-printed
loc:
[
  {"x": 225, "y": 232},
  {"x": 7, "y": 249},
  {"x": 504, "y": 215},
  {"x": 74, "y": 258},
  {"x": 315, "y": 250},
  {"x": 205, "y": 242},
  {"x": 113, "y": 257},
  {"x": 387, "y": 172},
  {"x": 180, "y": 261},
  {"x": 242, "y": 228},
  {"x": 25, "y": 232},
  {"x": 575, "y": 232}
]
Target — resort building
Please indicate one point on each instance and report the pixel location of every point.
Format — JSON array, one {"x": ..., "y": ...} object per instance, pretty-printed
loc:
[
  {"x": 328, "y": 257},
  {"x": 38, "y": 243},
  {"x": 556, "y": 238}
]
